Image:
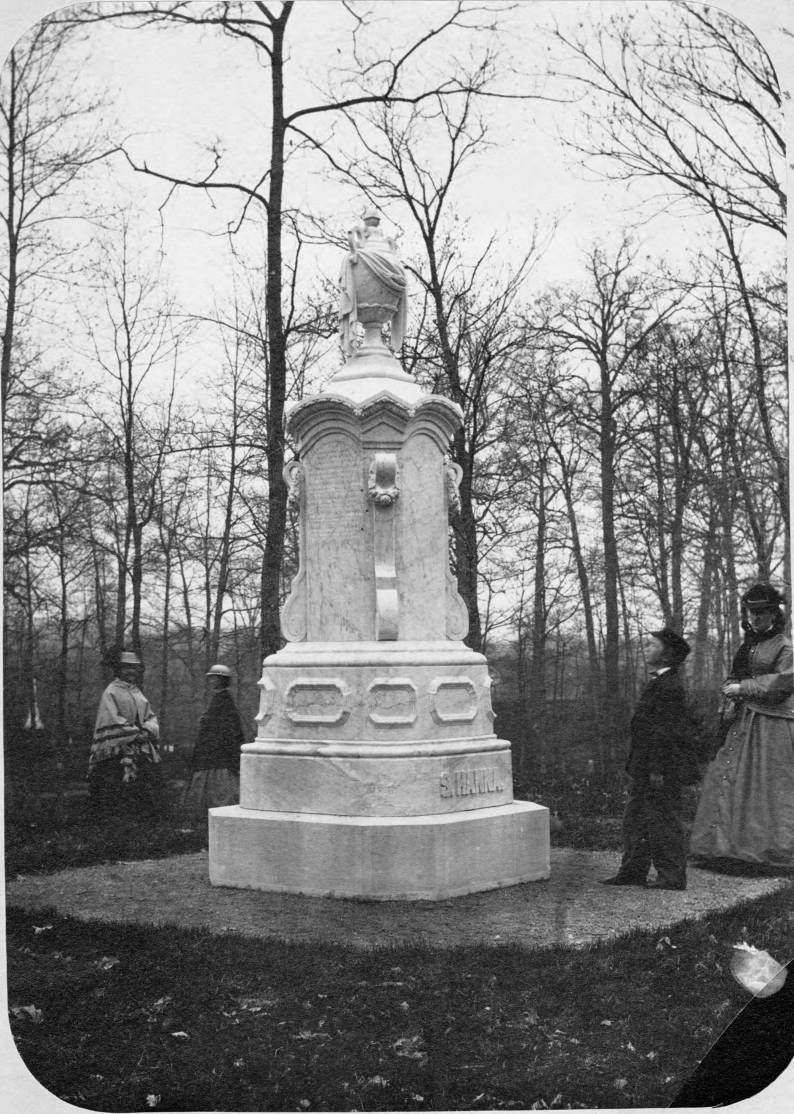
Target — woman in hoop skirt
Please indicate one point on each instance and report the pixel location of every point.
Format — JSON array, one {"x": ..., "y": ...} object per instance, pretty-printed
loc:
[{"x": 746, "y": 808}]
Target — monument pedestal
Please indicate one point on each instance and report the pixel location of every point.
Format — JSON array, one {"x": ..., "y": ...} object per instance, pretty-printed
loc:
[
  {"x": 377, "y": 857},
  {"x": 375, "y": 772}
]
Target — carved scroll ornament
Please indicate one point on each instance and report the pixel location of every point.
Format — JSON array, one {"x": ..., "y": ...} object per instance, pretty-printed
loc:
[
  {"x": 452, "y": 476},
  {"x": 384, "y": 492}
]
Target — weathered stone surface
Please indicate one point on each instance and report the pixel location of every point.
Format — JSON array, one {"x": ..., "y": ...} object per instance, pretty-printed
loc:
[
  {"x": 379, "y": 858},
  {"x": 353, "y": 786}
]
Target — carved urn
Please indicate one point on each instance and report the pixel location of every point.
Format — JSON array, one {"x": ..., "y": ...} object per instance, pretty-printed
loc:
[{"x": 372, "y": 288}]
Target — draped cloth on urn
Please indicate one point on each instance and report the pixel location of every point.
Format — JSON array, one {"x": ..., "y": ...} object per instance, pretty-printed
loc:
[{"x": 390, "y": 272}]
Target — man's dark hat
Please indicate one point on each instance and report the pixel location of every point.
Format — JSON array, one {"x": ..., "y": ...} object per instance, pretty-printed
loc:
[
  {"x": 673, "y": 642},
  {"x": 761, "y": 597}
]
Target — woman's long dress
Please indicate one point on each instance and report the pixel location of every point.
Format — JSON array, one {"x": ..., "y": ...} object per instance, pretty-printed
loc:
[
  {"x": 746, "y": 807},
  {"x": 215, "y": 766}
]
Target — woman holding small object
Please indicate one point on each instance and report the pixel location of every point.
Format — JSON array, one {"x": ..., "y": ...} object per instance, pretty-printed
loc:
[{"x": 746, "y": 808}]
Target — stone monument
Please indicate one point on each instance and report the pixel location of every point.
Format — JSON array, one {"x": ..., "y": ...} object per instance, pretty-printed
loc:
[{"x": 375, "y": 772}]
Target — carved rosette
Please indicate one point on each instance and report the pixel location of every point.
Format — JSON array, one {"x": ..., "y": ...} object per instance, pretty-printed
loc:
[{"x": 384, "y": 478}]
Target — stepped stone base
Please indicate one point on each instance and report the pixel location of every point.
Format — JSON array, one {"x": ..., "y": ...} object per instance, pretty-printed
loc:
[{"x": 379, "y": 858}]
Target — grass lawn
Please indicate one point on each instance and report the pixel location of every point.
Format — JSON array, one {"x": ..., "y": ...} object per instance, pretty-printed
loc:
[
  {"x": 38, "y": 838},
  {"x": 128, "y": 1018}
]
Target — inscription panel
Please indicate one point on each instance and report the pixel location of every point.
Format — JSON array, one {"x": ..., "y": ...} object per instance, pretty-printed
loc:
[
  {"x": 338, "y": 546},
  {"x": 317, "y": 701},
  {"x": 342, "y": 785},
  {"x": 453, "y": 700},
  {"x": 422, "y": 542},
  {"x": 392, "y": 702},
  {"x": 469, "y": 783}
]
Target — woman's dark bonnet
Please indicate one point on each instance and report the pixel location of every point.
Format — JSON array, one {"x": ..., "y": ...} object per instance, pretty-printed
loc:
[{"x": 763, "y": 597}]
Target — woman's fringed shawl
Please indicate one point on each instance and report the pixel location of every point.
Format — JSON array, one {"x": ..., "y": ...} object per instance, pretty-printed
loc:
[{"x": 123, "y": 715}]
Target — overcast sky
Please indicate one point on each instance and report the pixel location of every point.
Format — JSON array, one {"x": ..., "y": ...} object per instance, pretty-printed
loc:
[
  {"x": 173, "y": 92},
  {"x": 179, "y": 89}
]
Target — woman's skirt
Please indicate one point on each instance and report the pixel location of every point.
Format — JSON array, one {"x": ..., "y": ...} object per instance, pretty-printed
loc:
[
  {"x": 746, "y": 807},
  {"x": 210, "y": 789},
  {"x": 118, "y": 788}
]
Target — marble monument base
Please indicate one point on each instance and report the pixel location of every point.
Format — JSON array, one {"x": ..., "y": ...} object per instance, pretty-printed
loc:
[{"x": 379, "y": 858}]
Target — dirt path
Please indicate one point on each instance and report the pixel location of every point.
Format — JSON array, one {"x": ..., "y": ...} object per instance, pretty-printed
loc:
[{"x": 570, "y": 908}]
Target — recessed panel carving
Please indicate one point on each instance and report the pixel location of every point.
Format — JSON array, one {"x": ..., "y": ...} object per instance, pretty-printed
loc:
[
  {"x": 317, "y": 701},
  {"x": 392, "y": 702},
  {"x": 454, "y": 700}
]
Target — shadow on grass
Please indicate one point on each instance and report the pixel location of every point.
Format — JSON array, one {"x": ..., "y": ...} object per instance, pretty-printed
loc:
[{"x": 734, "y": 868}]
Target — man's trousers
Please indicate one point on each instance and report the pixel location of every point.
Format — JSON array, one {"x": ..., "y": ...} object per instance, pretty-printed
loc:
[{"x": 653, "y": 835}]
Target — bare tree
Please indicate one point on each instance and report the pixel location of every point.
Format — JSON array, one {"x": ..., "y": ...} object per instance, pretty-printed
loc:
[
  {"x": 601, "y": 331},
  {"x": 47, "y": 138},
  {"x": 546, "y": 416},
  {"x": 692, "y": 101},
  {"x": 136, "y": 339},
  {"x": 383, "y": 76}
]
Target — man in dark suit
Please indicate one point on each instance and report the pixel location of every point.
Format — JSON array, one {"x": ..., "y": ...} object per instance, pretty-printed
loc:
[{"x": 661, "y": 761}]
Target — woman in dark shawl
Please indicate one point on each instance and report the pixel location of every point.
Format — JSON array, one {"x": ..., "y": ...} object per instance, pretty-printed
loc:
[{"x": 215, "y": 765}]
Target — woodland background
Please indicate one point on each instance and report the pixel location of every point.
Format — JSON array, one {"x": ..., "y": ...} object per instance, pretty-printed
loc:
[{"x": 624, "y": 448}]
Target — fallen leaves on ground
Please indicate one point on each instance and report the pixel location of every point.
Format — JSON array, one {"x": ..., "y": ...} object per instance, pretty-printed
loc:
[
  {"x": 410, "y": 1048},
  {"x": 106, "y": 963}
]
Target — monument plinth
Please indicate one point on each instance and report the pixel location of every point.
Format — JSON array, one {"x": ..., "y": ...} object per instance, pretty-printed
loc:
[{"x": 375, "y": 772}]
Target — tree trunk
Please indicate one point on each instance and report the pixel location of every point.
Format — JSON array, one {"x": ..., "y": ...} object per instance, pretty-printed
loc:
[
  {"x": 537, "y": 687},
  {"x": 276, "y": 357},
  {"x": 165, "y": 641},
  {"x": 464, "y": 528},
  {"x": 136, "y": 585},
  {"x": 59, "y": 728},
  {"x": 611, "y": 569},
  {"x": 698, "y": 673},
  {"x": 593, "y": 666},
  {"x": 13, "y": 238},
  {"x": 225, "y": 547},
  {"x": 121, "y": 602}
]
